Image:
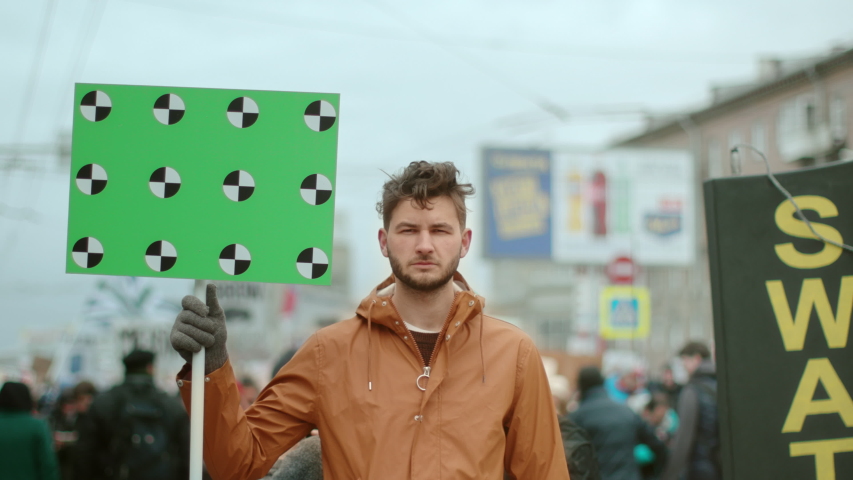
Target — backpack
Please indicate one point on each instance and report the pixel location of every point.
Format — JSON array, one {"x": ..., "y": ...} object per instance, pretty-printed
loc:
[
  {"x": 716, "y": 454},
  {"x": 580, "y": 454},
  {"x": 141, "y": 444}
]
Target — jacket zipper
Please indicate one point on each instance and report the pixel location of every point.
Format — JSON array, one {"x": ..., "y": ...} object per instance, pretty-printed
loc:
[{"x": 434, "y": 350}]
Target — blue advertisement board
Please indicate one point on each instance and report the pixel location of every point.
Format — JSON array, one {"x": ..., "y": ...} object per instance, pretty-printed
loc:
[{"x": 518, "y": 203}]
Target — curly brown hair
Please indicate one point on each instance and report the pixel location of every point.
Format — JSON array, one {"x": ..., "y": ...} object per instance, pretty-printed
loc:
[{"x": 421, "y": 181}]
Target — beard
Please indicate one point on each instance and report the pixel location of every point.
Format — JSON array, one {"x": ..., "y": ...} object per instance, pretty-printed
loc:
[{"x": 424, "y": 282}]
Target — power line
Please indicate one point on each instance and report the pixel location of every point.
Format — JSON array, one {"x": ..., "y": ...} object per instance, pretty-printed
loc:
[
  {"x": 35, "y": 71},
  {"x": 497, "y": 45},
  {"x": 540, "y": 101},
  {"x": 26, "y": 108},
  {"x": 85, "y": 41}
]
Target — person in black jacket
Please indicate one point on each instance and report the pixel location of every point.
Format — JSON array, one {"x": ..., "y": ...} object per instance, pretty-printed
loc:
[
  {"x": 580, "y": 454},
  {"x": 134, "y": 431},
  {"x": 614, "y": 429},
  {"x": 695, "y": 451}
]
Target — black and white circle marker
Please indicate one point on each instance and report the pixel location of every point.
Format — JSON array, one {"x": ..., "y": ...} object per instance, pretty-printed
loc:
[
  {"x": 169, "y": 109},
  {"x": 161, "y": 256},
  {"x": 312, "y": 263},
  {"x": 320, "y": 116},
  {"x": 164, "y": 182},
  {"x": 238, "y": 185},
  {"x": 243, "y": 112},
  {"x": 96, "y": 106},
  {"x": 235, "y": 259},
  {"x": 316, "y": 189},
  {"x": 87, "y": 252},
  {"x": 91, "y": 179}
]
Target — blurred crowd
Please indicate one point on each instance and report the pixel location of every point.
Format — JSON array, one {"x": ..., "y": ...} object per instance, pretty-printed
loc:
[
  {"x": 627, "y": 425},
  {"x": 639, "y": 429}
]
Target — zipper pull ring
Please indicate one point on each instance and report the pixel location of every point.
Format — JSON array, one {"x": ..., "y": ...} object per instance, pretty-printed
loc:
[{"x": 424, "y": 375}]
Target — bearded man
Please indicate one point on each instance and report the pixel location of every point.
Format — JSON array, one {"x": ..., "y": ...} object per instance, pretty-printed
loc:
[{"x": 419, "y": 384}]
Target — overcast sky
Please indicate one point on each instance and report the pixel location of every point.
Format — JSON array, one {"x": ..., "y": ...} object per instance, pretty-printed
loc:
[{"x": 418, "y": 80}]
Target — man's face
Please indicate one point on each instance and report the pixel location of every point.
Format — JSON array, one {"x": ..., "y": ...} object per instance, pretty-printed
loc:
[
  {"x": 83, "y": 402},
  {"x": 668, "y": 379},
  {"x": 691, "y": 362},
  {"x": 424, "y": 245},
  {"x": 629, "y": 382}
]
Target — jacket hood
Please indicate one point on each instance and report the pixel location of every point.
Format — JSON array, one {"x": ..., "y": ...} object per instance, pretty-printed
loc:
[{"x": 381, "y": 297}]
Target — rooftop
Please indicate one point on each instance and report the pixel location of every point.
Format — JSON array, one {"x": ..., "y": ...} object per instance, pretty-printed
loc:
[{"x": 774, "y": 75}]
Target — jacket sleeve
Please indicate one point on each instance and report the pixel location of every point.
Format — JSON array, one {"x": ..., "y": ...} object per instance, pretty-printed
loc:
[
  {"x": 646, "y": 435},
  {"x": 92, "y": 446},
  {"x": 534, "y": 446},
  {"x": 48, "y": 469},
  {"x": 688, "y": 414},
  {"x": 244, "y": 445}
]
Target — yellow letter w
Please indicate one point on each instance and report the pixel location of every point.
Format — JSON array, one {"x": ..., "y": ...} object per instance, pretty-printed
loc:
[{"x": 812, "y": 294}]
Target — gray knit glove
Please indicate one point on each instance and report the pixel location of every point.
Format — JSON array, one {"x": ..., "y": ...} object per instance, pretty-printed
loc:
[{"x": 199, "y": 325}]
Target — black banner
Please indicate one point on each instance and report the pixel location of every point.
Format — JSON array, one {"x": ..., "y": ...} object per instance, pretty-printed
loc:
[{"x": 782, "y": 306}]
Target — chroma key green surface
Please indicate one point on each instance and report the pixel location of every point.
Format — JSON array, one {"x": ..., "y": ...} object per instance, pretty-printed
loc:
[{"x": 202, "y": 183}]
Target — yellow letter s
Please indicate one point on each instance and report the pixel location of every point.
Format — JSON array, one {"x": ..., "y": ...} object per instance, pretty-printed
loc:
[{"x": 792, "y": 225}]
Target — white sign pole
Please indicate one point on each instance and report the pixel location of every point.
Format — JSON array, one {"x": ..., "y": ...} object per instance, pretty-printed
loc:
[
  {"x": 197, "y": 415},
  {"x": 197, "y": 401}
]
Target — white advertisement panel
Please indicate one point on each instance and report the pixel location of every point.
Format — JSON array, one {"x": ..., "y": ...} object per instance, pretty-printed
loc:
[{"x": 638, "y": 203}]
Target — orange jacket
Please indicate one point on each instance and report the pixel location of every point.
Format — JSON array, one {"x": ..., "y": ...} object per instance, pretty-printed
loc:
[{"x": 486, "y": 406}]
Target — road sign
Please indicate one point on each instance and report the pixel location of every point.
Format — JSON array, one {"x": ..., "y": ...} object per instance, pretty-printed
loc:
[
  {"x": 624, "y": 313},
  {"x": 621, "y": 271}
]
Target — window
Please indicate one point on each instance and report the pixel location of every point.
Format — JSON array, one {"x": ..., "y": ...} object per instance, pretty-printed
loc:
[
  {"x": 759, "y": 137},
  {"x": 785, "y": 124},
  {"x": 735, "y": 138},
  {"x": 797, "y": 115},
  {"x": 838, "y": 118},
  {"x": 715, "y": 159}
]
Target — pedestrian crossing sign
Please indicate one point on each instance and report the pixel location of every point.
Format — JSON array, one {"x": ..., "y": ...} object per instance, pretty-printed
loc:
[{"x": 625, "y": 312}]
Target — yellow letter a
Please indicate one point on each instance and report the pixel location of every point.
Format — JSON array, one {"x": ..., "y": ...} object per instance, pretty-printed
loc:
[{"x": 839, "y": 401}]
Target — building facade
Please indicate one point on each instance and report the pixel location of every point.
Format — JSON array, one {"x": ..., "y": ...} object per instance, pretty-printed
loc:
[{"x": 798, "y": 113}]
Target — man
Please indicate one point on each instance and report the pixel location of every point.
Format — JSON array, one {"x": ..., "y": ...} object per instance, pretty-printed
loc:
[
  {"x": 615, "y": 430},
  {"x": 134, "y": 431},
  {"x": 696, "y": 446},
  {"x": 580, "y": 454},
  {"x": 419, "y": 384},
  {"x": 667, "y": 385},
  {"x": 71, "y": 406},
  {"x": 84, "y": 393},
  {"x": 664, "y": 421}
]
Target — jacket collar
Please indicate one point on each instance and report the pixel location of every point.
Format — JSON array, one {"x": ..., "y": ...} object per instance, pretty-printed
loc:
[
  {"x": 594, "y": 393},
  {"x": 378, "y": 307},
  {"x": 705, "y": 369}
]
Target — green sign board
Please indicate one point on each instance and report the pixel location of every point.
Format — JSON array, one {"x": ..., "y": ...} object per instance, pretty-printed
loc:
[
  {"x": 202, "y": 183},
  {"x": 782, "y": 307}
]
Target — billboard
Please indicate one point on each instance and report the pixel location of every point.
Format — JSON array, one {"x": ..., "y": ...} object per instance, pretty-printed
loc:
[
  {"x": 638, "y": 203},
  {"x": 782, "y": 308},
  {"x": 518, "y": 203}
]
